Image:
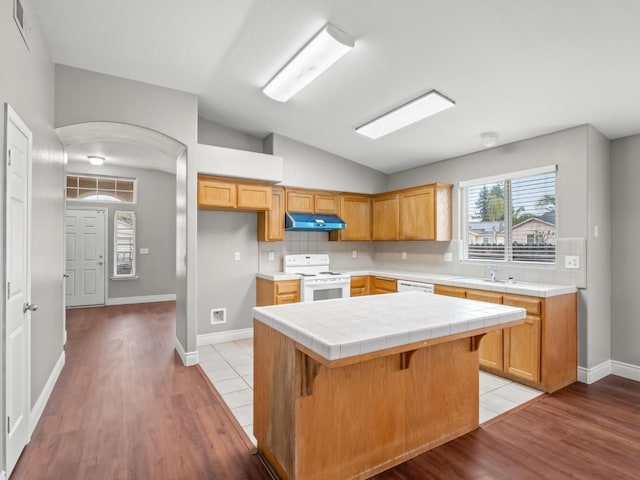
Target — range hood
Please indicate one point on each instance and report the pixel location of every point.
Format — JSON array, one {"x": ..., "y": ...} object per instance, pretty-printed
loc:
[{"x": 312, "y": 222}]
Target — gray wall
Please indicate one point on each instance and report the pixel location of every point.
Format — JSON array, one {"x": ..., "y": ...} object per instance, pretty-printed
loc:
[
  {"x": 155, "y": 229},
  {"x": 223, "y": 281},
  {"x": 625, "y": 201},
  {"x": 212, "y": 133},
  {"x": 306, "y": 166},
  {"x": 26, "y": 84},
  {"x": 84, "y": 96},
  {"x": 580, "y": 154}
]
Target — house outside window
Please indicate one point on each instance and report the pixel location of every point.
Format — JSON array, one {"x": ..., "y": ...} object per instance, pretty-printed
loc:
[
  {"x": 510, "y": 218},
  {"x": 99, "y": 188}
]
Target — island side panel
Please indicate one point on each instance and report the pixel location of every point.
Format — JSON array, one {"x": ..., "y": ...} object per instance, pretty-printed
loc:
[
  {"x": 274, "y": 398},
  {"x": 366, "y": 417}
]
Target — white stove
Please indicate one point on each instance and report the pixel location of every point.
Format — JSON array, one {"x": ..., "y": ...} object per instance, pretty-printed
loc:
[{"x": 317, "y": 281}]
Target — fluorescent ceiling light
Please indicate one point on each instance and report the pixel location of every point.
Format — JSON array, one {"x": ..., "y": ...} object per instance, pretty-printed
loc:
[
  {"x": 93, "y": 160},
  {"x": 322, "y": 51},
  {"x": 411, "y": 112}
]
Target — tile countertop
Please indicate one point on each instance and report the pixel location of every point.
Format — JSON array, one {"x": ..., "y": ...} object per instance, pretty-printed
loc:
[
  {"x": 542, "y": 290},
  {"x": 342, "y": 328}
]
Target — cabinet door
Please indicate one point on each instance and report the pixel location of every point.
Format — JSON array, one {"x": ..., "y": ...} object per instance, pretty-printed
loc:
[
  {"x": 212, "y": 193},
  {"x": 384, "y": 285},
  {"x": 271, "y": 222},
  {"x": 254, "y": 196},
  {"x": 386, "y": 217},
  {"x": 417, "y": 214},
  {"x": 325, "y": 202},
  {"x": 300, "y": 201},
  {"x": 355, "y": 210},
  {"x": 359, "y": 286},
  {"x": 522, "y": 349},
  {"x": 491, "y": 345},
  {"x": 451, "y": 291}
]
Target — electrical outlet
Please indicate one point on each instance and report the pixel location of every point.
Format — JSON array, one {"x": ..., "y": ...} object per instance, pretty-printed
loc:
[
  {"x": 448, "y": 257},
  {"x": 572, "y": 262},
  {"x": 236, "y": 256},
  {"x": 218, "y": 316},
  {"x": 272, "y": 256},
  {"x": 404, "y": 255},
  {"x": 354, "y": 253}
]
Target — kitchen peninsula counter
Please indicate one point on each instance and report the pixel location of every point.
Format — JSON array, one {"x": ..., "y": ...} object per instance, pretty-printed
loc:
[{"x": 350, "y": 387}]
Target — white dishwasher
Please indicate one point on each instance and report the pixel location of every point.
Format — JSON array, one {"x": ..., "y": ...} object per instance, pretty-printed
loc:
[{"x": 407, "y": 286}]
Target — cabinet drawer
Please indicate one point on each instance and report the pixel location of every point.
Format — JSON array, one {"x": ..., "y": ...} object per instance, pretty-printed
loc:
[
  {"x": 359, "y": 282},
  {"x": 451, "y": 291},
  {"x": 358, "y": 291},
  {"x": 483, "y": 296},
  {"x": 532, "y": 305},
  {"x": 287, "y": 298},
  {"x": 287, "y": 286}
]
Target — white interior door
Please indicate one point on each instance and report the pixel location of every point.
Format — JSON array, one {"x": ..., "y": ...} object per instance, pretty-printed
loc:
[
  {"x": 18, "y": 283},
  {"x": 85, "y": 257}
]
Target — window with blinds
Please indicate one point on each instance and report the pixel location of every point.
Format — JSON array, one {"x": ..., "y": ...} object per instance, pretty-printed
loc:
[{"x": 511, "y": 218}]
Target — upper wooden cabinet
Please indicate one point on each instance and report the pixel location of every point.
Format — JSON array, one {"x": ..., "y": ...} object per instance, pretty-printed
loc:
[
  {"x": 311, "y": 201},
  {"x": 355, "y": 210},
  {"x": 220, "y": 193},
  {"x": 425, "y": 212},
  {"x": 386, "y": 216},
  {"x": 271, "y": 222}
]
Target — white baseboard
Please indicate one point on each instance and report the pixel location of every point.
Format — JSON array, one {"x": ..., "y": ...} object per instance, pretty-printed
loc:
[
  {"x": 626, "y": 370},
  {"x": 221, "y": 337},
  {"x": 43, "y": 398},
  {"x": 188, "y": 358},
  {"x": 143, "y": 299}
]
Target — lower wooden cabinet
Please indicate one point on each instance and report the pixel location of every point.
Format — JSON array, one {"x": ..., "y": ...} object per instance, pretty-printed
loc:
[
  {"x": 492, "y": 345},
  {"x": 359, "y": 285},
  {"x": 276, "y": 293},
  {"x": 542, "y": 352},
  {"x": 383, "y": 285}
]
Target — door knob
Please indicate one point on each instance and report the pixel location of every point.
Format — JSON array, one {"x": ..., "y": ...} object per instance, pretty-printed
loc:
[
  {"x": 66, "y": 275},
  {"x": 29, "y": 306}
]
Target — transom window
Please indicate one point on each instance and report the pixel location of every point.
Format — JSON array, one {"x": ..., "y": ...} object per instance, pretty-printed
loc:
[
  {"x": 510, "y": 218},
  {"x": 96, "y": 188}
]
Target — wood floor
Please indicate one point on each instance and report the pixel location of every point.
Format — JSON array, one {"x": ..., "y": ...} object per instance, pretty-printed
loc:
[{"x": 125, "y": 408}]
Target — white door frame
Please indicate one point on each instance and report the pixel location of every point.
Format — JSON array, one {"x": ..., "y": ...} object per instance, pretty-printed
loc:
[
  {"x": 107, "y": 256},
  {"x": 13, "y": 117}
]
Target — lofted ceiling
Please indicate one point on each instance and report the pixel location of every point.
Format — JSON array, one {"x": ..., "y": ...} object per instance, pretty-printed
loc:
[{"x": 514, "y": 67}]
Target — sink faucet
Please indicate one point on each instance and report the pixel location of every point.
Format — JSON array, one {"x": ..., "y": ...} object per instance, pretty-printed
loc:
[{"x": 492, "y": 273}]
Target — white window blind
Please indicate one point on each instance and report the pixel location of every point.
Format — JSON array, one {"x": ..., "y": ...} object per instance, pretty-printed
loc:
[{"x": 512, "y": 218}]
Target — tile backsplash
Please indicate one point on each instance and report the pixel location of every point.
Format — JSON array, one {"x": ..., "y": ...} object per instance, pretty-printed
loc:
[{"x": 422, "y": 257}]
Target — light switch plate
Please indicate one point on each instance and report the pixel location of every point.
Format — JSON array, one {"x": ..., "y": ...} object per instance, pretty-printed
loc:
[
  {"x": 572, "y": 262},
  {"x": 272, "y": 257},
  {"x": 144, "y": 251},
  {"x": 354, "y": 253},
  {"x": 404, "y": 255},
  {"x": 236, "y": 256},
  {"x": 448, "y": 257}
]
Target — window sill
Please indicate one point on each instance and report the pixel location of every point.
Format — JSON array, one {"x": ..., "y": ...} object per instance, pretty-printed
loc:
[{"x": 129, "y": 277}]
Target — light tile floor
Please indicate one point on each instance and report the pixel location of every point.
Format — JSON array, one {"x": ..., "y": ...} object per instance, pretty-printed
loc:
[{"x": 230, "y": 367}]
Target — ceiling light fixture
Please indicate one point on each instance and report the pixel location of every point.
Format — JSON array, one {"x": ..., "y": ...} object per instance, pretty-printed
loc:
[
  {"x": 322, "y": 51},
  {"x": 489, "y": 139},
  {"x": 93, "y": 160},
  {"x": 411, "y": 112}
]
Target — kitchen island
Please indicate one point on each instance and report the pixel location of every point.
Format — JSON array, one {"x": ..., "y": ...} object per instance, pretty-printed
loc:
[{"x": 348, "y": 388}]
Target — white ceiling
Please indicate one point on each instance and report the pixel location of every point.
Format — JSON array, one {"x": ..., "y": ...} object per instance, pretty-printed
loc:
[{"x": 519, "y": 68}]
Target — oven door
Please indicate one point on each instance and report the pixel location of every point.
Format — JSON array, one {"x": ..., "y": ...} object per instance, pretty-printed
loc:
[{"x": 312, "y": 291}]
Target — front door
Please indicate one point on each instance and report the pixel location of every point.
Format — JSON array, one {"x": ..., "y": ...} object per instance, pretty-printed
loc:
[
  {"x": 85, "y": 257},
  {"x": 18, "y": 283}
]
